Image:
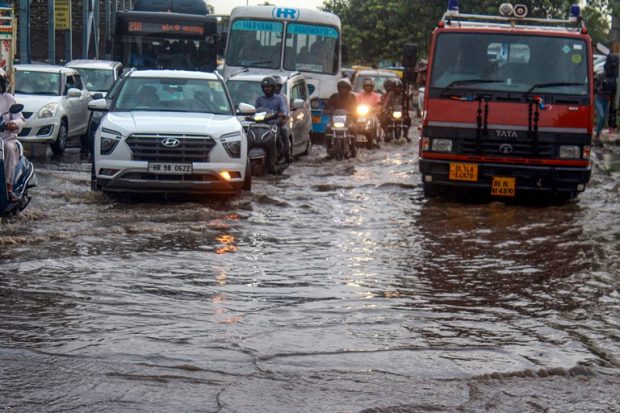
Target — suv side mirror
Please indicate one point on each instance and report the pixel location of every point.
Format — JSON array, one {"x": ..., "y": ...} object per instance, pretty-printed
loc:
[
  {"x": 245, "y": 109},
  {"x": 99, "y": 105},
  {"x": 97, "y": 95}
]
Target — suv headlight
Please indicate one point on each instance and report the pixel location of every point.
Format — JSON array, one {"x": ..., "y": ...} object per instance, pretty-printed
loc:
[
  {"x": 48, "y": 111},
  {"x": 109, "y": 139},
  {"x": 232, "y": 143}
]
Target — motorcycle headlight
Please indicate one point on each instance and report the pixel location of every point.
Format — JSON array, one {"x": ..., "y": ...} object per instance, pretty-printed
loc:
[
  {"x": 259, "y": 117},
  {"x": 363, "y": 110},
  {"x": 338, "y": 124},
  {"x": 48, "y": 111},
  {"x": 109, "y": 140},
  {"x": 397, "y": 114}
]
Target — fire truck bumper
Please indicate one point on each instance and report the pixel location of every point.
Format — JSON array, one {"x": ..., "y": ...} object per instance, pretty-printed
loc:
[{"x": 527, "y": 178}]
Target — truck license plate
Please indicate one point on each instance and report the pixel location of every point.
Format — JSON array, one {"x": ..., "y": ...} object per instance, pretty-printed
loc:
[
  {"x": 463, "y": 172},
  {"x": 503, "y": 186},
  {"x": 170, "y": 168}
]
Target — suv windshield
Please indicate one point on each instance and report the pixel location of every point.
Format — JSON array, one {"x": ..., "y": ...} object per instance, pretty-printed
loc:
[
  {"x": 510, "y": 63},
  {"x": 37, "y": 83},
  {"x": 172, "y": 95}
]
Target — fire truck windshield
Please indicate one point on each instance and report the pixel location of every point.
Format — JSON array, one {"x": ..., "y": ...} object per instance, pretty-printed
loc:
[{"x": 509, "y": 63}]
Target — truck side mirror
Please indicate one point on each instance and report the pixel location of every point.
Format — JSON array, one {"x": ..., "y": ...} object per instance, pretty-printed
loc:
[{"x": 410, "y": 55}]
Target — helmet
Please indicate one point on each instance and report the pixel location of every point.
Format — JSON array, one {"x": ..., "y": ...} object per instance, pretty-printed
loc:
[
  {"x": 268, "y": 81},
  {"x": 388, "y": 84},
  {"x": 345, "y": 83},
  {"x": 369, "y": 81},
  {"x": 278, "y": 80}
]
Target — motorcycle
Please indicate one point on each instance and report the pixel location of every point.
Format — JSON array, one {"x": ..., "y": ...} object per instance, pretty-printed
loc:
[
  {"x": 396, "y": 127},
  {"x": 265, "y": 148},
  {"x": 368, "y": 127},
  {"x": 24, "y": 175},
  {"x": 339, "y": 141}
]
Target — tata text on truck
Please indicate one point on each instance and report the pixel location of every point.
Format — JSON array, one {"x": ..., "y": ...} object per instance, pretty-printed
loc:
[
  {"x": 509, "y": 105},
  {"x": 267, "y": 40}
]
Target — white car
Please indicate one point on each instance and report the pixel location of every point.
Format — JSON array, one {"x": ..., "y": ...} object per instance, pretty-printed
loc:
[
  {"x": 169, "y": 131},
  {"x": 246, "y": 88},
  {"x": 98, "y": 75},
  {"x": 55, "y": 104}
]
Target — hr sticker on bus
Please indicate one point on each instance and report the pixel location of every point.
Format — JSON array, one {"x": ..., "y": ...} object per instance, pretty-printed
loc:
[{"x": 285, "y": 14}]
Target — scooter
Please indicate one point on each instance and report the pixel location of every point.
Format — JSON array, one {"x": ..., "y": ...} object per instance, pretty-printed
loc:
[
  {"x": 339, "y": 141},
  {"x": 368, "y": 127},
  {"x": 265, "y": 150},
  {"x": 24, "y": 175},
  {"x": 396, "y": 127}
]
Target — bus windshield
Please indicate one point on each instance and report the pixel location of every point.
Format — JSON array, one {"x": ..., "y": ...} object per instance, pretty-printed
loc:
[
  {"x": 255, "y": 43},
  {"x": 311, "y": 48},
  {"x": 507, "y": 63}
]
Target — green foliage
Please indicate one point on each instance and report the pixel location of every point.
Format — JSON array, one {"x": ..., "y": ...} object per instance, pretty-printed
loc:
[{"x": 376, "y": 30}]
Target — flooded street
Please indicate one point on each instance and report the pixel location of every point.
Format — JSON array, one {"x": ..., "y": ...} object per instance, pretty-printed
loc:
[{"x": 336, "y": 287}]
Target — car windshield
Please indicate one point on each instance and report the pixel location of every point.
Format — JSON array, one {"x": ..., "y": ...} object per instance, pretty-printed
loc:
[
  {"x": 97, "y": 80},
  {"x": 172, "y": 95},
  {"x": 379, "y": 81},
  {"x": 244, "y": 91},
  {"x": 32, "y": 82},
  {"x": 255, "y": 43},
  {"x": 507, "y": 63}
]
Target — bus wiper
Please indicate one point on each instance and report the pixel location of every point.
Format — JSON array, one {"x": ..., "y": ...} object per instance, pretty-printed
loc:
[
  {"x": 553, "y": 84},
  {"x": 259, "y": 63},
  {"x": 468, "y": 82}
]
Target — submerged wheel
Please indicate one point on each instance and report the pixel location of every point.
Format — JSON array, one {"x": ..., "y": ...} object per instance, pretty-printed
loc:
[{"x": 60, "y": 145}]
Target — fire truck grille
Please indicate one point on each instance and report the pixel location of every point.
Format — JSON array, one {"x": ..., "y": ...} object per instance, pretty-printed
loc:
[
  {"x": 170, "y": 148},
  {"x": 503, "y": 148}
]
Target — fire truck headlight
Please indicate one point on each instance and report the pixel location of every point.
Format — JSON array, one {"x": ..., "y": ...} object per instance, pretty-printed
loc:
[
  {"x": 442, "y": 145},
  {"x": 570, "y": 152}
]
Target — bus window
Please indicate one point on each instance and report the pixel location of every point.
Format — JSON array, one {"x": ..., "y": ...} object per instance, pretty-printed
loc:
[
  {"x": 311, "y": 48},
  {"x": 255, "y": 43}
]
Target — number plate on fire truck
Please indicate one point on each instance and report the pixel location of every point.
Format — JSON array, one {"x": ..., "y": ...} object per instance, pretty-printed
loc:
[
  {"x": 170, "y": 168},
  {"x": 503, "y": 186},
  {"x": 463, "y": 172}
]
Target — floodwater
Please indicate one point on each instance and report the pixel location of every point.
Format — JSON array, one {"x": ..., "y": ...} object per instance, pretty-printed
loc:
[{"x": 333, "y": 288}]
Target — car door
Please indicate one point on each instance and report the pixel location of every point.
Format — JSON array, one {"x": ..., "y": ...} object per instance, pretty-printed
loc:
[
  {"x": 76, "y": 107},
  {"x": 301, "y": 117}
]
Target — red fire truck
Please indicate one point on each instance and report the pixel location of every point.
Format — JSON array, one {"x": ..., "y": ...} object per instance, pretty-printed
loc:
[{"x": 509, "y": 105}]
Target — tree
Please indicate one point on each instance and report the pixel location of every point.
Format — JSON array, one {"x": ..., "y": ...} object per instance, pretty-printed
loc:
[{"x": 376, "y": 30}]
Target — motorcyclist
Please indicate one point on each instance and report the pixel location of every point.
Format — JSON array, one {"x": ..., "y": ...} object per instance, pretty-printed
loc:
[
  {"x": 396, "y": 97},
  {"x": 14, "y": 122},
  {"x": 273, "y": 101},
  {"x": 373, "y": 100},
  {"x": 344, "y": 99}
]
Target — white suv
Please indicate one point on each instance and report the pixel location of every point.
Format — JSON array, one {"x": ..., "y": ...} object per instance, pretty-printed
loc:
[{"x": 170, "y": 131}]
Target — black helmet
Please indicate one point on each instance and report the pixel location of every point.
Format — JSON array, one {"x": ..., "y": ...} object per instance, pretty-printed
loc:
[{"x": 268, "y": 81}]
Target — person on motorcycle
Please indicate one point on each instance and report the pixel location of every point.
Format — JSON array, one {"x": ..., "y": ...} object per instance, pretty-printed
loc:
[
  {"x": 397, "y": 98},
  {"x": 273, "y": 101},
  {"x": 13, "y": 123},
  {"x": 371, "y": 99},
  {"x": 344, "y": 99}
]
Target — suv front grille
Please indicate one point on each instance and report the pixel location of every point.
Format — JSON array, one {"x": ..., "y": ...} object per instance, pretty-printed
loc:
[{"x": 191, "y": 148}]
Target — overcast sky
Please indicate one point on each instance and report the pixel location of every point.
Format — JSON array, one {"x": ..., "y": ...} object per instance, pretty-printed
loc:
[{"x": 225, "y": 6}]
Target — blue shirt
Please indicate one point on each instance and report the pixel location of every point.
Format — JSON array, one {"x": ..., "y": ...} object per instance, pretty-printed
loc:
[{"x": 275, "y": 103}]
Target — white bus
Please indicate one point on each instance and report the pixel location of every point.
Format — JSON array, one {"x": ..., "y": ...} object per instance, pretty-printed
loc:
[{"x": 268, "y": 39}]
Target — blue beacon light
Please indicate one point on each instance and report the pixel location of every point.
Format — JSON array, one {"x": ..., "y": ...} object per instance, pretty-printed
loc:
[
  {"x": 453, "y": 5},
  {"x": 575, "y": 11}
]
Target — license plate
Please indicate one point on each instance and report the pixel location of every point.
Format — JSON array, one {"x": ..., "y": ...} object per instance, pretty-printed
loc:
[
  {"x": 503, "y": 186},
  {"x": 170, "y": 168},
  {"x": 463, "y": 172}
]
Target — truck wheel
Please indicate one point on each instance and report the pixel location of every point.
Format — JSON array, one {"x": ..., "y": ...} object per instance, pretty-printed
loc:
[{"x": 60, "y": 145}]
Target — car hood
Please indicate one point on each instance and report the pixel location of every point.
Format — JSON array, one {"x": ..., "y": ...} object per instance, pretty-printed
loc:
[
  {"x": 32, "y": 103},
  {"x": 172, "y": 123}
]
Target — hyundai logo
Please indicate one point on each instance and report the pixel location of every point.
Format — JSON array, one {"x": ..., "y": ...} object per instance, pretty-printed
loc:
[
  {"x": 505, "y": 148},
  {"x": 170, "y": 142}
]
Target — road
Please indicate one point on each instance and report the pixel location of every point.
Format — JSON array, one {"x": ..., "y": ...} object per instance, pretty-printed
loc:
[{"x": 336, "y": 287}]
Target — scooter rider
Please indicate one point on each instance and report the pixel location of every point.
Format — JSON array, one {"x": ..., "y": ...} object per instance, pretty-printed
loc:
[
  {"x": 344, "y": 99},
  {"x": 372, "y": 100},
  {"x": 14, "y": 122},
  {"x": 272, "y": 100}
]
